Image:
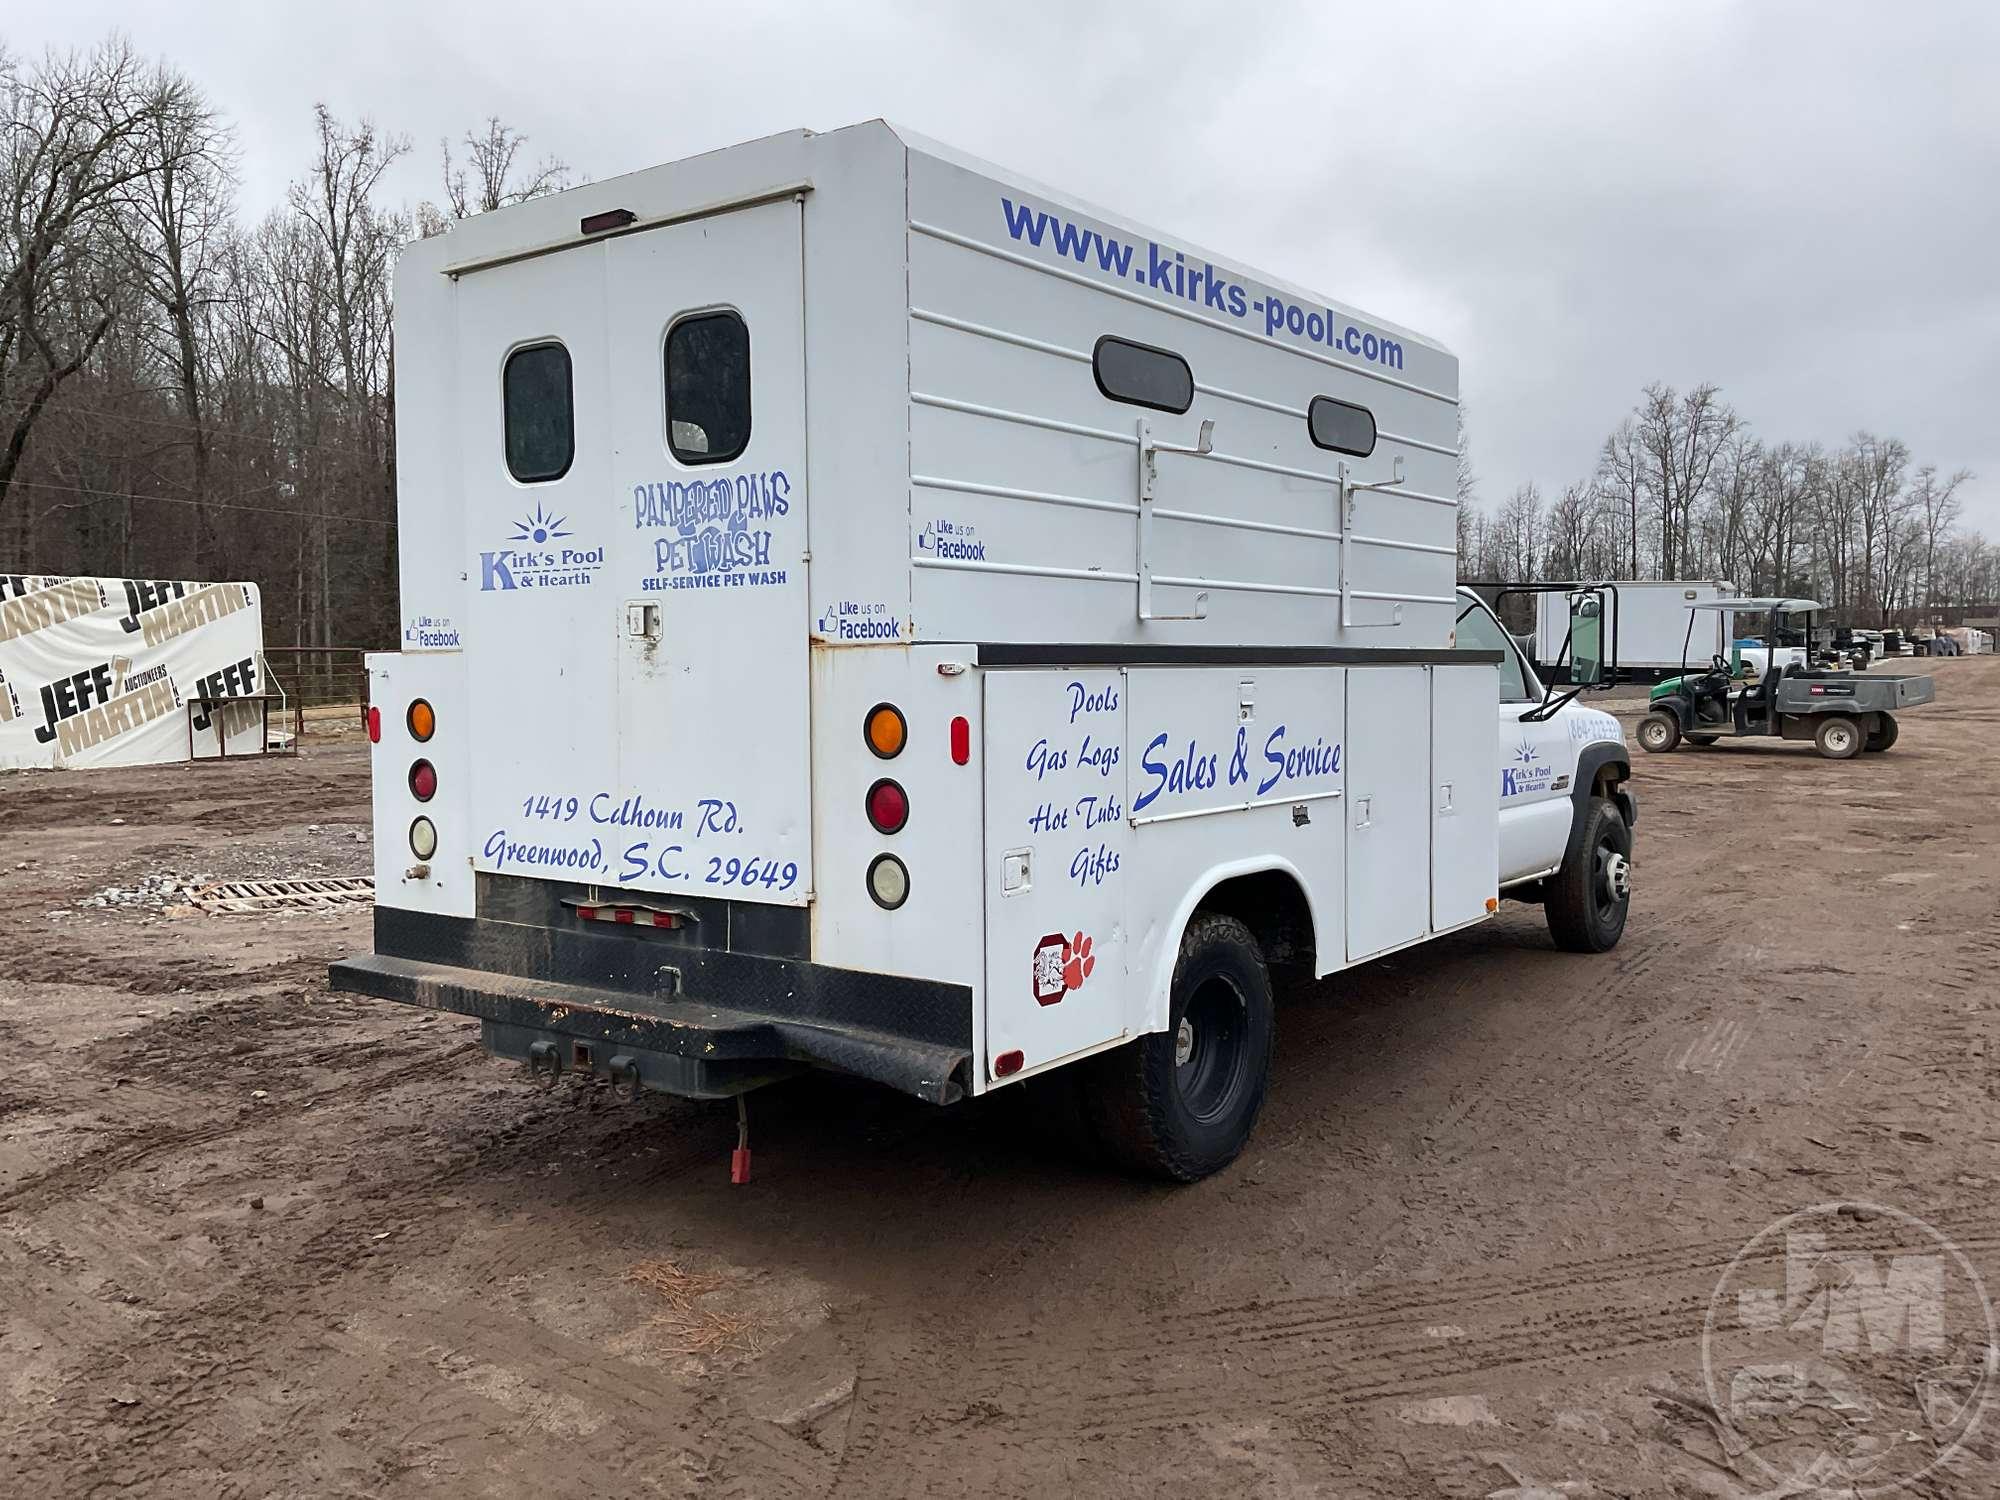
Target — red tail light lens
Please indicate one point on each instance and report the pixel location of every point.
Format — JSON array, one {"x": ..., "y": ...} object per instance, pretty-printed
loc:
[
  {"x": 1007, "y": 1064},
  {"x": 423, "y": 781},
  {"x": 888, "y": 806},
  {"x": 961, "y": 741},
  {"x": 374, "y": 726}
]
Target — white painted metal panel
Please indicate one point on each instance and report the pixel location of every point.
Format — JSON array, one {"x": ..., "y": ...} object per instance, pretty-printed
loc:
[
  {"x": 713, "y": 698},
  {"x": 638, "y": 683},
  {"x": 1025, "y": 476},
  {"x": 1240, "y": 771},
  {"x": 1651, "y": 625},
  {"x": 1388, "y": 808},
  {"x": 442, "y": 884},
  {"x": 1058, "y": 859},
  {"x": 540, "y": 616},
  {"x": 1465, "y": 833}
]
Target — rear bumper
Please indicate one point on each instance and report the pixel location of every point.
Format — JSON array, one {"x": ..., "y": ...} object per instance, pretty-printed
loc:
[{"x": 679, "y": 1019}]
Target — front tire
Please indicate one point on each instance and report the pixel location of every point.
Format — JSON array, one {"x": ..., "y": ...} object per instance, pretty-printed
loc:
[
  {"x": 1181, "y": 1103},
  {"x": 1838, "y": 737},
  {"x": 1659, "y": 733},
  {"x": 1884, "y": 735},
  {"x": 1589, "y": 897}
]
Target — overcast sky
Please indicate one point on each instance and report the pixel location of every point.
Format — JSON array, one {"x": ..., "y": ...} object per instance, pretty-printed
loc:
[{"x": 1798, "y": 201}]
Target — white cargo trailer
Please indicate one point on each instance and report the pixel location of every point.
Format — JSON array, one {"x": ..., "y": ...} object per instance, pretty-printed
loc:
[
  {"x": 1647, "y": 625},
  {"x": 864, "y": 611}
]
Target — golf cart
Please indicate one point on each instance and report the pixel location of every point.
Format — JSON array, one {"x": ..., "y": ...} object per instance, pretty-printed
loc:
[{"x": 1843, "y": 714}]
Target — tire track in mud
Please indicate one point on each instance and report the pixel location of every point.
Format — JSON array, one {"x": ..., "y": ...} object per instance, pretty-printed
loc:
[{"x": 1302, "y": 1359}]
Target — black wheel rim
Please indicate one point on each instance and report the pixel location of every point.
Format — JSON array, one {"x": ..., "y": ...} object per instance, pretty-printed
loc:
[{"x": 1208, "y": 1049}]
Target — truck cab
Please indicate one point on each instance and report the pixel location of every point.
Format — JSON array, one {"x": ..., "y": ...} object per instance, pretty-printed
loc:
[{"x": 1563, "y": 771}]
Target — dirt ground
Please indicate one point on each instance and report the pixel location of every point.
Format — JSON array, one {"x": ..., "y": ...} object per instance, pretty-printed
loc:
[{"x": 258, "y": 1239}]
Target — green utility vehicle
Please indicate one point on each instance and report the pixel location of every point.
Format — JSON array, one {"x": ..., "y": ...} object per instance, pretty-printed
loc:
[{"x": 1842, "y": 712}]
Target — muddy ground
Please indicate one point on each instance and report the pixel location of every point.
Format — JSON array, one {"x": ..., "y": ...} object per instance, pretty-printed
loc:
[{"x": 257, "y": 1239}]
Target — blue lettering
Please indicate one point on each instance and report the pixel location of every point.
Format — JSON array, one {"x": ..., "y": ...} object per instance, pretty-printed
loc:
[{"x": 1153, "y": 769}]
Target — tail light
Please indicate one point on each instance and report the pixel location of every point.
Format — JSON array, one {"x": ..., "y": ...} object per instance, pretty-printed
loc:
[
  {"x": 888, "y": 806},
  {"x": 888, "y": 882},
  {"x": 423, "y": 781}
]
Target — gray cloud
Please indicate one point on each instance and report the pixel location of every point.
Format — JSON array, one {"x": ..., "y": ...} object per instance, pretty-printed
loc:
[{"x": 1797, "y": 201}]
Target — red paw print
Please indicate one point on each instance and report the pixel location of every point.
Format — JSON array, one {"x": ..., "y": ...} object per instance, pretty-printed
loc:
[{"x": 1077, "y": 967}]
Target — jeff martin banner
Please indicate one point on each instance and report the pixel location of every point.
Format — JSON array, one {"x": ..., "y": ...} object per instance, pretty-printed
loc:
[{"x": 128, "y": 671}]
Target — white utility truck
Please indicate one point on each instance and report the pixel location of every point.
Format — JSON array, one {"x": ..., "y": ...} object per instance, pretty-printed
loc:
[
  {"x": 868, "y": 612},
  {"x": 1647, "y": 625}
]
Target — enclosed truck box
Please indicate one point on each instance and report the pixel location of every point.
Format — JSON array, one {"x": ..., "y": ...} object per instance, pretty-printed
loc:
[
  {"x": 868, "y": 612},
  {"x": 1648, "y": 629}
]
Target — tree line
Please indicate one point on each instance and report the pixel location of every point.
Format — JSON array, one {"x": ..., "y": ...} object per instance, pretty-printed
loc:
[
  {"x": 1683, "y": 488},
  {"x": 188, "y": 393}
]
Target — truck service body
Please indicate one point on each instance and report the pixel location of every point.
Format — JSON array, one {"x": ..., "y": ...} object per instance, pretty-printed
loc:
[{"x": 872, "y": 613}]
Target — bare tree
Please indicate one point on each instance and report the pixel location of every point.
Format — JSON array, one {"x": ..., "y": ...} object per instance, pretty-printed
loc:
[
  {"x": 486, "y": 180},
  {"x": 1935, "y": 504},
  {"x": 1570, "y": 547},
  {"x": 185, "y": 214},
  {"x": 1621, "y": 474},
  {"x": 77, "y": 143},
  {"x": 1682, "y": 436}
]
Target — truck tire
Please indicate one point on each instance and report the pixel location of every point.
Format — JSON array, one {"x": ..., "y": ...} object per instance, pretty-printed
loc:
[
  {"x": 1180, "y": 1103},
  {"x": 1703, "y": 740},
  {"x": 1659, "y": 733},
  {"x": 1587, "y": 900},
  {"x": 1884, "y": 735},
  {"x": 1838, "y": 737}
]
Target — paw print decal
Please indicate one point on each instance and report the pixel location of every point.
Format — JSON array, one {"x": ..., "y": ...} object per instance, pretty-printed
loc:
[
  {"x": 1061, "y": 965},
  {"x": 1077, "y": 962}
]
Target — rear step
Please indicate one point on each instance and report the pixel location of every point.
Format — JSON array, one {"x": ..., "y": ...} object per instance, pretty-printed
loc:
[{"x": 674, "y": 1044}]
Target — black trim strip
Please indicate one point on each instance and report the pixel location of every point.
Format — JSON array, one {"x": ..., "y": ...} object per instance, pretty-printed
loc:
[{"x": 1035, "y": 654}]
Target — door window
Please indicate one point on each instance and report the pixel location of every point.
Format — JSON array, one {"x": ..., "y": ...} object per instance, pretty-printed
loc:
[
  {"x": 708, "y": 388},
  {"x": 1479, "y": 631},
  {"x": 539, "y": 413}
]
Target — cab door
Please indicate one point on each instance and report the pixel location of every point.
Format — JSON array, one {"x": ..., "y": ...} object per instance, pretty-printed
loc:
[{"x": 1537, "y": 759}]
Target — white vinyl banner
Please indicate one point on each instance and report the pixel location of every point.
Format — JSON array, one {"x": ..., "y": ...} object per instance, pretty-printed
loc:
[{"x": 128, "y": 671}]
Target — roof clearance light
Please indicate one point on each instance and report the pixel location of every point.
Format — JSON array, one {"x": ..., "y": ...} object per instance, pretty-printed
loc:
[
  {"x": 886, "y": 731},
  {"x": 611, "y": 218},
  {"x": 423, "y": 838},
  {"x": 888, "y": 882},
  {"x": 423, "y": 781},
  {"x": 888, "y": 806},
  {"x": 422, "y": 720}
]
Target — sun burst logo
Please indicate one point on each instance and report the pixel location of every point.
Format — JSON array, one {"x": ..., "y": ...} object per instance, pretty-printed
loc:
[{"x": 540, "y": 527}]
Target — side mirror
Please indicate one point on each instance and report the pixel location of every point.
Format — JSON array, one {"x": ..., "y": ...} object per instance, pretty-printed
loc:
[{"x": 1586, "y": 640}]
